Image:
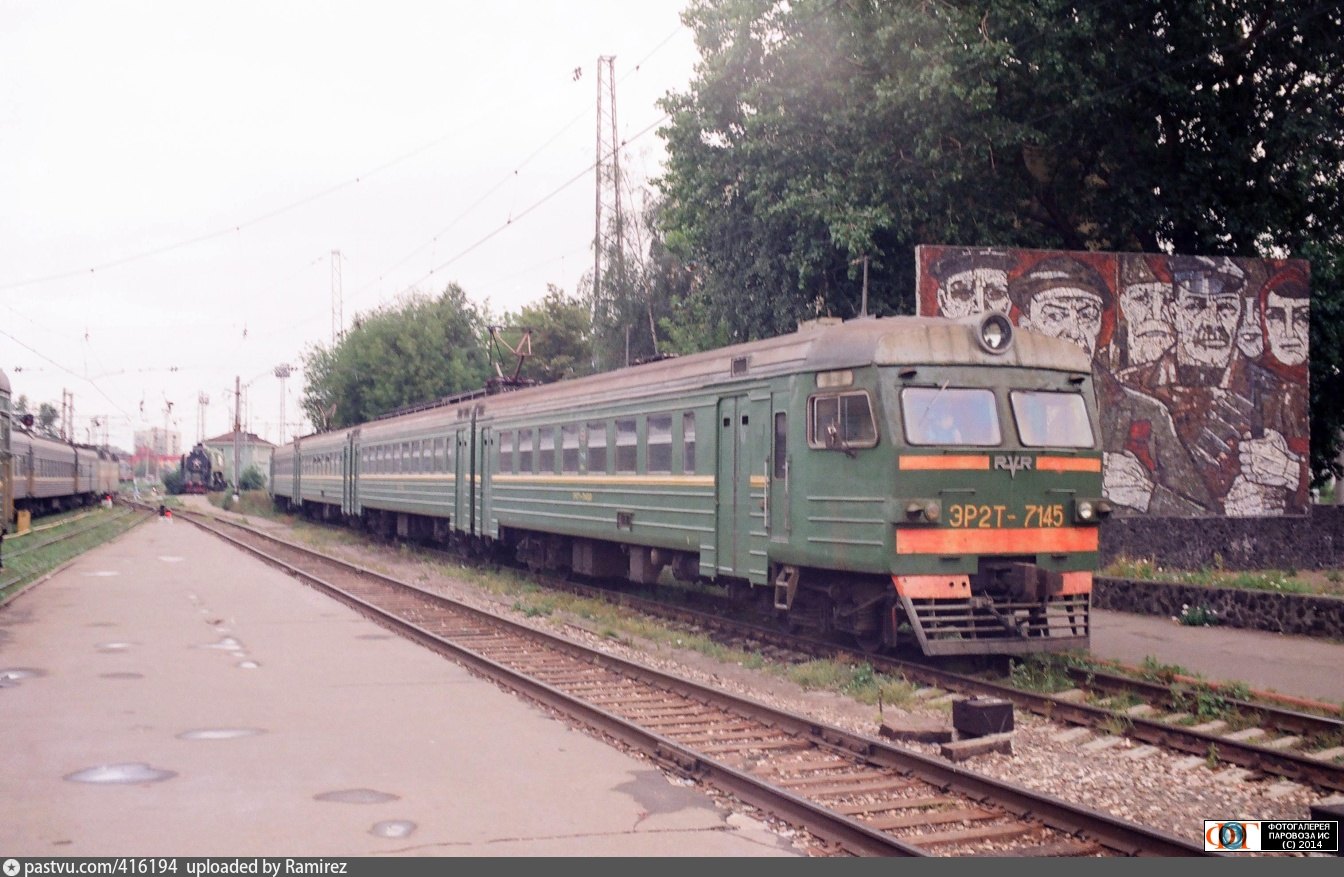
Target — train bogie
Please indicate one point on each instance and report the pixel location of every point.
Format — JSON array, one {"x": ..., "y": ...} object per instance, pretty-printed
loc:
[{"x": 924, "y": 479}]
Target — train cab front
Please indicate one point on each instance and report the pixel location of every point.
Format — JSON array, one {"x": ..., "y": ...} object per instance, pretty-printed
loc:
[{"x": 998, "y": 504}]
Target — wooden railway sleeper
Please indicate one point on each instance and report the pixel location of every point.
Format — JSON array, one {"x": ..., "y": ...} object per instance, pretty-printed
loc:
[{"x": 679, "y": 762}]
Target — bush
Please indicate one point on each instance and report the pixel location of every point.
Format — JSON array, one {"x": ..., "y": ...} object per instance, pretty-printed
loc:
[
  {"x": 174, "y": 481},
  {"x": 253, "y": 479}
]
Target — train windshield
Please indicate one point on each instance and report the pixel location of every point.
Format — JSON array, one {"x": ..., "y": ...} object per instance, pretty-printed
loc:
[
  {"x": 1051, "y": 420},
  {"x": 949, "y": 416}
]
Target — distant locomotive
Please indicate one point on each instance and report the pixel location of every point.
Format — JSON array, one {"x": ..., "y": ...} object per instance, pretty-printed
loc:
[
  {"x": 202, "y": 470},
  {"x": 916, "y": 480},
  {"x": 40, "y": 475}
]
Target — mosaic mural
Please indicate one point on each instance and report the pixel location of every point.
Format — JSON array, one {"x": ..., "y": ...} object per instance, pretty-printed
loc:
[{"x": 1200, "y": 364}]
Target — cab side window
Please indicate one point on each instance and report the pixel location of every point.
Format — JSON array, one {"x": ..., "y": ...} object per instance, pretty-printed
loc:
[{"x": 841, "y": 421}]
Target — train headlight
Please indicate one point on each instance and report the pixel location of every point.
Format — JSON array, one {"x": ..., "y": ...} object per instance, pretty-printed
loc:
[
  {"x": 995, "y": 333},
  {"x": 1090, "y": 511},
  {"x": 923, "y": 510}
]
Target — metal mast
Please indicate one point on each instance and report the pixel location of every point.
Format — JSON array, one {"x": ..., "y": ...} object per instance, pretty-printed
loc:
[
  {"x": 283, "y": 371},
  {"x": 608, "y": 189},
  {"x": 337, "y": 317}
]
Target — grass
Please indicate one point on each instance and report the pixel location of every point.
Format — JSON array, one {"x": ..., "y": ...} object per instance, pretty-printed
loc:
[
  {"x": 1286, "y": 581},
  {"x": 25, "y": 565},
  {"x": 255, "y": 503},
  {"x": 1045, "y": 672}
]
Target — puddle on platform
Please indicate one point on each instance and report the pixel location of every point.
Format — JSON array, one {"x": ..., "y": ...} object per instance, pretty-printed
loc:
[
  {"x": 121, "y": 675},
  {"x": 248, "y": 665},
  {"x": 356, "y": 796},
  {"x": 228, "y": 644},
  {"x": 219, "y": 733},
  {"x": 101, "y": 574},
  {"x": 170, "y": 559},
  {"x": 111, "y": 774},
  {"x": 12, "y": 676},
  {"x": 113, "y": 647},
  {"x": 394, "y": 828}
]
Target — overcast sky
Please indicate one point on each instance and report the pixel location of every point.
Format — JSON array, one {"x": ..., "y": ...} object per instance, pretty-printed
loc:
[{"x": 174, "y": 177}]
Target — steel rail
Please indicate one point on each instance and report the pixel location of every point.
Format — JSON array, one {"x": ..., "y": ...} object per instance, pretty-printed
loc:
[{"x": 1116, "y": 835}]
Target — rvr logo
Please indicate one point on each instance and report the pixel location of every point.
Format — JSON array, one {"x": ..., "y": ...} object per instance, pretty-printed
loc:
[{"x": 1012, "y": 464}]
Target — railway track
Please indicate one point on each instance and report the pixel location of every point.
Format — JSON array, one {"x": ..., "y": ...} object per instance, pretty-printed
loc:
[
  {"x": 1258, "y": 737},
  {"x": 861, "y": 796}
]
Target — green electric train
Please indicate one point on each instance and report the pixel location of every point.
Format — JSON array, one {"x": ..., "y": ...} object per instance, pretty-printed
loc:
[
  {"x": 896, "y": 480},
  {"x": 39, "y": 475}
]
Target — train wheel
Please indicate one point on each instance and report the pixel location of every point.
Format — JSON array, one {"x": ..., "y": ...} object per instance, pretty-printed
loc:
[
  {"x": 871, "y": 642},
  {"x": 881, "y": 637}
]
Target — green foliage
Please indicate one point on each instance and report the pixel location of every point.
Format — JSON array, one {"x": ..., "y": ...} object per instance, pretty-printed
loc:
[
  {"x": 1040, "y": 672},
  {"x": 561, "y": 339},
  {"x": 174, "y": 481},
  {"x": 1198, "y": 616},
  {"x": 817, "y": 132},
  {"x": 252, "y": 479},
  {"x": 1283, "y": 581},
  {"x": 47, "y": 415},
  {"x": 417, "y": 351}
]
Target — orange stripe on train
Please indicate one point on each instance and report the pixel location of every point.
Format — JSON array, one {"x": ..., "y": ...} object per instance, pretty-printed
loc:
[
  {"x": 1035, "y": 540},
  {"x": 958, "y": 587},
  {"x": 928, "y": 462},
  {"x": 1068, "y": 464}
]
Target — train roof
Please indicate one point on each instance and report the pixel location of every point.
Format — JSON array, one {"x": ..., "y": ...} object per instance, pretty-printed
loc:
[
  {"x": 4, "y": 383},
  {"x": 819, "y": 345}
]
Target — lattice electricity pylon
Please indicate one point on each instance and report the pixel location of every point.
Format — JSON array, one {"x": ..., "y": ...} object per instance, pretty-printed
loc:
[{"x": 608, "y": 219}]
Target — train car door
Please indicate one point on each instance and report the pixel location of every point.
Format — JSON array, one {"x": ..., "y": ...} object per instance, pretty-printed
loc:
[
  {"x": 350, "y": 475},
  {"x": 777, "y": 499},
  {"x": 484, "y": 525},
  {"x": 461, "y": 479},
  {"x": 294, "y": 476},
  {"x": 6, "y": 465},
  {"x": 732, "y": 488}
]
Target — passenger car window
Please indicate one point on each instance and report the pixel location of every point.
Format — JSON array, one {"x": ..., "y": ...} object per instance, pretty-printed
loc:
[
  {"x": 569, "y": 448},
  {"x": 627, "y": 445},
  {"x": 597, "y": 447},
  {"x": 688, "y": 442},
  {"x": 660, "y": 443}
]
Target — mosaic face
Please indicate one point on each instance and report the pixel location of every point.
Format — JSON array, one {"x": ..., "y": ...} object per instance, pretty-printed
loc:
[
  {"x": 1250, "y": 337},
  {"x": 974, "y": 291},
  {"x": 1148, "y": 329},
  {"x": 1288, "y": 324},
  {"x": 1206, "y": 318},
  {"x": 1067, "y": 312}
]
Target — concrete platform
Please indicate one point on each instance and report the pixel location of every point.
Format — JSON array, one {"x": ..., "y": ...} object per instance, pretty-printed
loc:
[
  {"x": 1293, "y": 665},
  {"x": 168, "y": 695}
]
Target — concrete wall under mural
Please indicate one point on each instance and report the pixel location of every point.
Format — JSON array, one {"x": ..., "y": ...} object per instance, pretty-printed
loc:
[{"x": 1200, "y": 364}]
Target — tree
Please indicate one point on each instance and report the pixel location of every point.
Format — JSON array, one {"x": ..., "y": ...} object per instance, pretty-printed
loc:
[
  {"x": 415, "y": 351},
  {"x": 47, "y": 415},
  {"x": 561, "y": 337},
  {"x": 174, "y": 481},
  {"x": 819, "y": 132},
  {"x": 253, "y": 479}
]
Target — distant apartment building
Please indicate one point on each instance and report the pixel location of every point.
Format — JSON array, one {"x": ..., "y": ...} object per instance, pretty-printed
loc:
[
  {"x": 159, "y": 442},
  {"x": 156, "y": 451}
]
